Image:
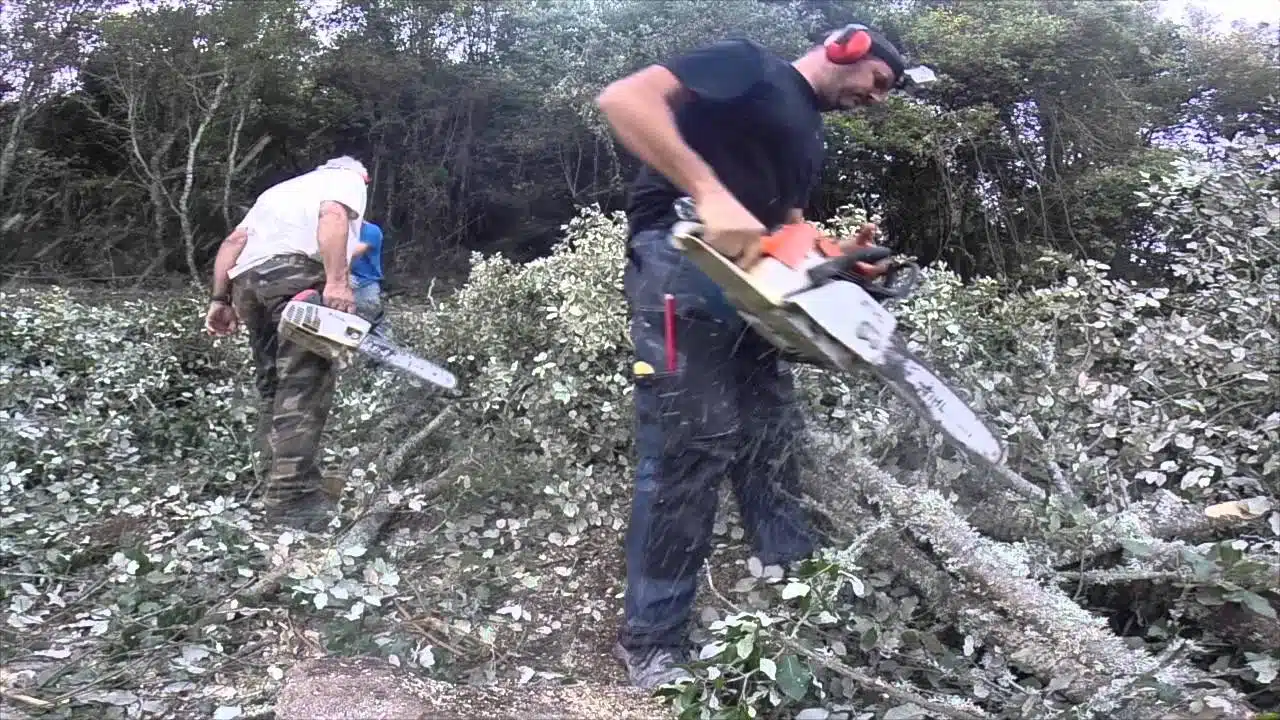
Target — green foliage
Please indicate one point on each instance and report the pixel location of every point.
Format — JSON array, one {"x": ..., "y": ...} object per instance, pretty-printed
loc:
[
  {"x": 545, "y": 342},
  {"x": 782, "y": 656},
  {"x": 127, "y": 458},
  {"x": 126, "y": 440},
  {"x": 744, "y": 669},
  {"x": 579, "y": 48},
  {"x": 478, "y": 122},
  {"x": 64, "y": 375},
  {"x": 1097, "y": 378}
]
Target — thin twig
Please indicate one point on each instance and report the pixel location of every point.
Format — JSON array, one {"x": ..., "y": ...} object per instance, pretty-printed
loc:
[{"x": 25, "y": 699}]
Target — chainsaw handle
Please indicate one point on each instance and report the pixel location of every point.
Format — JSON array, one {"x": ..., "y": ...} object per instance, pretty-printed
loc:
[
  {"x": 892, "y": 284},
  {"x": 313, "y": 296},
  {"x": 891, "y": 287},
  {"x": 844, "y": 265},
  {"x": 310, "y": 295}
]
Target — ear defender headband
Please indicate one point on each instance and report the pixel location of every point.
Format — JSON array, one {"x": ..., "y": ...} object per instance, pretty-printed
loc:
[
  {"x": 854, "y": 42},
  {"x": 848, "y": 45}
]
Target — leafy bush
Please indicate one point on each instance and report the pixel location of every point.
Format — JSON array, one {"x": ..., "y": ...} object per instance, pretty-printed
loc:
[
  {"x": 126, "y": 443},
  {"x": 545, "y": 344},
  {"x": 1097, "y": 379}
]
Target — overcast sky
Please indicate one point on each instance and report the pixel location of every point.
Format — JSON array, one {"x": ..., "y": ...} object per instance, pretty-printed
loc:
[{"x": 1252, "y": 11}]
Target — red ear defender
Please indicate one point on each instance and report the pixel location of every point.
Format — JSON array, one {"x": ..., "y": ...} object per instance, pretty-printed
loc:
[{"x": 848, "y": 45}]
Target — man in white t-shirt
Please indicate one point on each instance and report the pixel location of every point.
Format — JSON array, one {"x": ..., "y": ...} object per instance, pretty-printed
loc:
[{"x": 299, "y": 234}]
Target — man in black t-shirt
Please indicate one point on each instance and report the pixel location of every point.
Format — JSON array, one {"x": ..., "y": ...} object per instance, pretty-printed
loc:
[{"x": 739, "y": 130}]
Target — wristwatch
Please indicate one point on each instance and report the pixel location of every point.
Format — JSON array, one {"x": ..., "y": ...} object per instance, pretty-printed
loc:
[{"x": 224, "y": 298}]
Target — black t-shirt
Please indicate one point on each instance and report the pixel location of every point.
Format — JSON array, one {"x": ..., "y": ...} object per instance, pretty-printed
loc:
[{"x": 755, "y": 120}]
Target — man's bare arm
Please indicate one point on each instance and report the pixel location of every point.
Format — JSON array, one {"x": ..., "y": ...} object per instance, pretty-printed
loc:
[
  {"x": 228, "y": 253},
  {"x": 639, "y": 108},
  {"x": 332, "y": 238}
]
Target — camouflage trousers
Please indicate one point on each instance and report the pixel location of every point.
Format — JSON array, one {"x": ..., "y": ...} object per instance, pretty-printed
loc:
[{"x": 296, "y": 386}]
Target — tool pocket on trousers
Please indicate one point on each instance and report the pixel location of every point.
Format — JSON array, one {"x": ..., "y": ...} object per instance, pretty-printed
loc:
[
  {"x": 674, "y": 414},
  {"x": 661, "y": 423}
]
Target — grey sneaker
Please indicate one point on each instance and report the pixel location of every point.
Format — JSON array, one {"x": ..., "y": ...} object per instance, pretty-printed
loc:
[{"x": 650, "y": 667}]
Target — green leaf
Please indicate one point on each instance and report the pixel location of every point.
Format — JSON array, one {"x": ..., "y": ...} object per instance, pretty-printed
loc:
[
  {"x": 859, "y": 588},
  {"x": 1254, "y": 602},
  {"x": 745, "y": 645},
  {"x": 1228, "y": 555},
  {"x": 793, "y": 677},
  {"x": 711, "y": 650},
  {"x": 795, "y": 590},
  {"x": 769, "y": 668},
  {"x": 1135, "y": 547},
  {"x": 1268, "y": 668},
  {"x": 1201, "y": 569},
  {"x": 905, "y": 712},
  {"x": 689, "y": 694},
  {"x": 869, "y": 638}
]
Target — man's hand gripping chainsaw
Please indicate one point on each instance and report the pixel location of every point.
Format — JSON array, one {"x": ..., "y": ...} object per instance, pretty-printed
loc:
[
  {"x": 334, "y": 334},
  {"x": 807, "y": 297}
]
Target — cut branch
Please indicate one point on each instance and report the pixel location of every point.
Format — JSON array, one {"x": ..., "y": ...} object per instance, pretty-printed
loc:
[
  {"x": 365, "y": 530},
  {"x": 1172, "y": 562},
  {"x": 1161, "y": 516},
  {"x": 188, "y": 182},
  {"x": 987, "y": 586}
]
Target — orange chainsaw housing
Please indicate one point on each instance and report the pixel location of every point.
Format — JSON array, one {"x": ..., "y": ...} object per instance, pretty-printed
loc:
[{"x": 791, "y": 243}]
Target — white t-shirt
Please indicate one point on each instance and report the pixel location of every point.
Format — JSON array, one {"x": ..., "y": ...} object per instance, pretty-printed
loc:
[{"x": 285, "y": 218}]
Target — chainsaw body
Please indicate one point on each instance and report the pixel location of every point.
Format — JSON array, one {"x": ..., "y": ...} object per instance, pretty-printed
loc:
[
  {"x": 776, "y": 297},
  {"x": 338, "y": 335},
  {"x": 804, "y": 293},
  {"x": 327, "y": 332},
  {"x": 806, "y": 297}
]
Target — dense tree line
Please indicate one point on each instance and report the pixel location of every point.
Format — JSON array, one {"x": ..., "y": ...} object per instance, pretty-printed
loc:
[{"x": 135, "y": 136}]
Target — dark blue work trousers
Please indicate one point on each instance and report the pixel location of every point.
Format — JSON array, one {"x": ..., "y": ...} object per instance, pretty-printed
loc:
[{"x": 727, "y": 409}]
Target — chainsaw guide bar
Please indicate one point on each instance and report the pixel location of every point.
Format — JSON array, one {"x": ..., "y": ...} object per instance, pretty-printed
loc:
[
  {"x": 805, "y": 296},
  {"x": 336, "y": 335}
]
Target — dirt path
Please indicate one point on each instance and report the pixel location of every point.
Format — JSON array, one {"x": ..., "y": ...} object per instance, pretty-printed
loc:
[
  {"x": 585, "y": 611},
  {"x": 570, "y": 619}
]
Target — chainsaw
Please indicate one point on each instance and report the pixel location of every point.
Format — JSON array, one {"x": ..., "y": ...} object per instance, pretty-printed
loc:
[
  {"x": 807, "y": 297},
  {"x": 337, "y": 335}
]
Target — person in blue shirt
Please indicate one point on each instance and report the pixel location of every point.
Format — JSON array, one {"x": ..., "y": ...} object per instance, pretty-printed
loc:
[{"x": 366, "y": 276}]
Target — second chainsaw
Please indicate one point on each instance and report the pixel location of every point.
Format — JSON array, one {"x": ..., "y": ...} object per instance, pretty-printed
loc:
[{"x": 334, "y": 334}]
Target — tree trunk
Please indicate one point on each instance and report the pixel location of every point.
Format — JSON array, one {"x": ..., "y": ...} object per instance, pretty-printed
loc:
[{"x": 184, "y": 214}]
